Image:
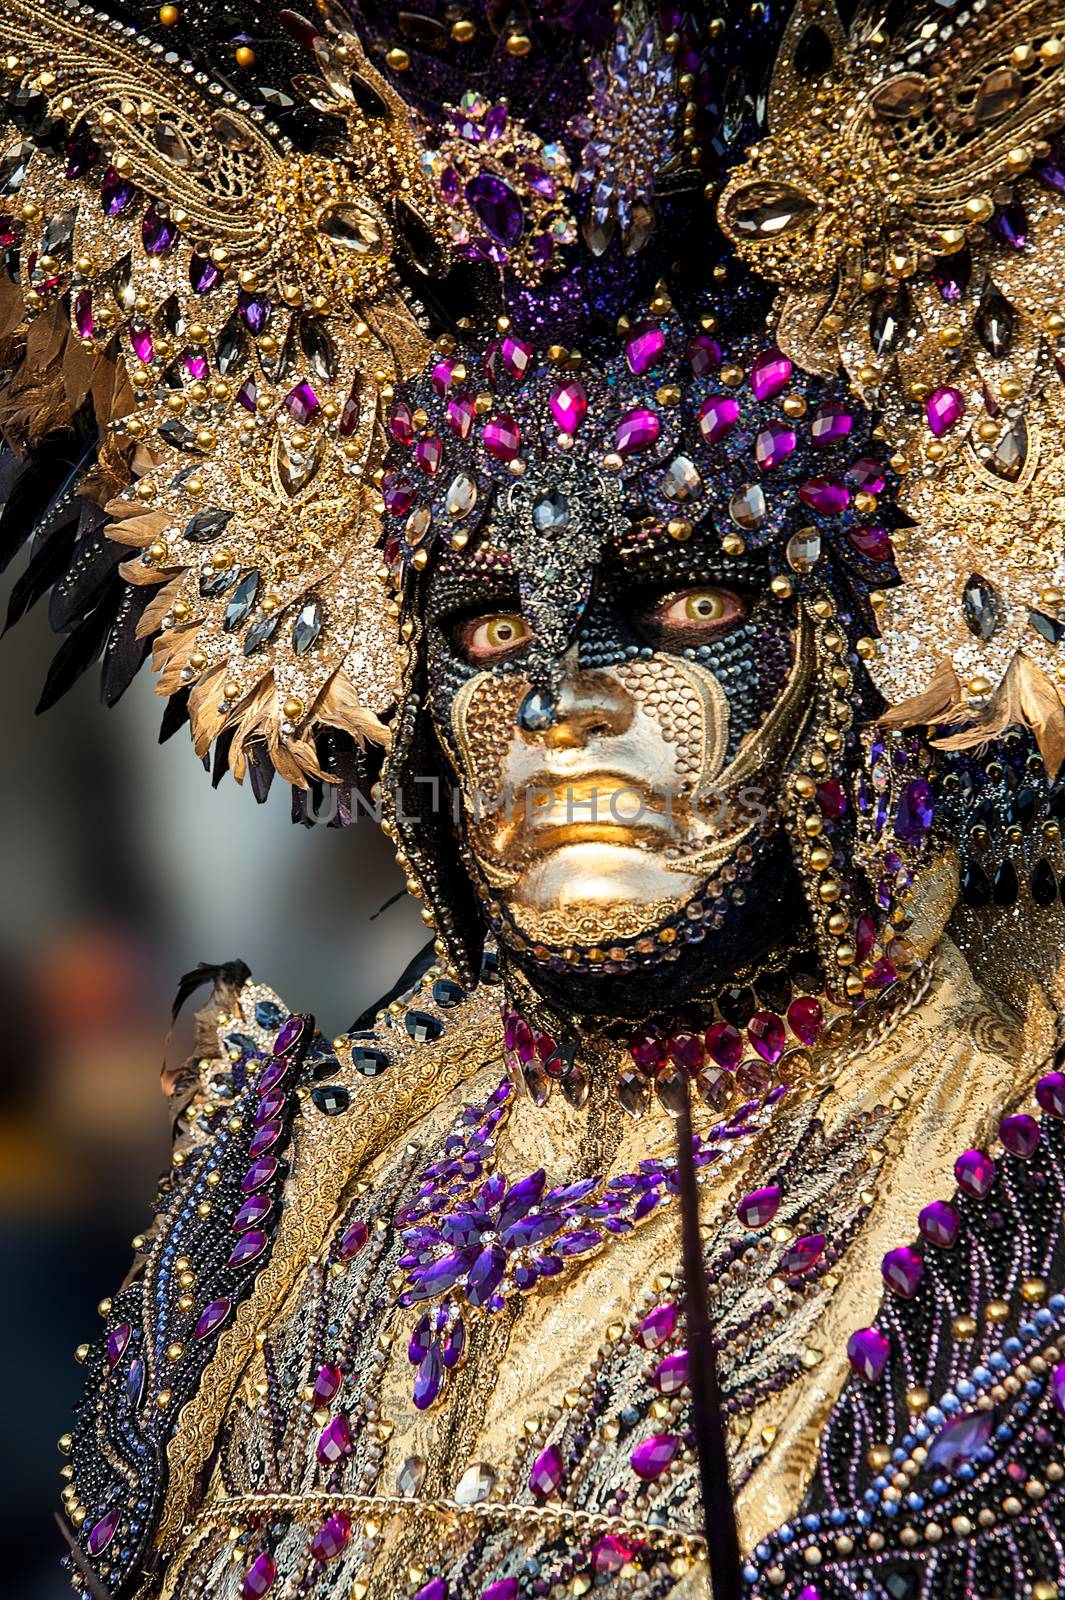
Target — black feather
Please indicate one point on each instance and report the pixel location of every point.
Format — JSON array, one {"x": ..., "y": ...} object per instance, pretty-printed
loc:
[
  {"x": 95, "y": 556},
  {"x": 261, "y": 769},
  {"x": 46, "y": 568},
  {"x": 235, "y": 973},
  {"x": 124, "y": 653},
  {"x": 175, "y": 716},
  {"x": 81, "y": 647},
  {"x": 221, "y": 756},
  {"x": 46, "y": 474}
]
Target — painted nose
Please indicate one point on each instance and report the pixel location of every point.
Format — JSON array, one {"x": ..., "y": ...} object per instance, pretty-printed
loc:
[{"x": 589, "y": 705}]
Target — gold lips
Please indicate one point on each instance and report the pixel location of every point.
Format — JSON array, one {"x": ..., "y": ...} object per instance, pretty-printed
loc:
[{"x": 547, "y": 812}]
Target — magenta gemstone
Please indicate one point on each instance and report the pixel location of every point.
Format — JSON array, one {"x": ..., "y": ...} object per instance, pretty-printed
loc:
[
  {"x": 516, "y": 355},
  {"x": 326, "y": 1384},
  {"x": 428, "y": 453},
  {"x": 864, "y": 935},
  {"x": 195, "y": 365},
  {"x": 1050, "y": 1093},
  {"x": 252, "y": 1212},
  {"x": 116, "y": 194},
  {"x": 1057, "y": 1385},
  {"x": 248, "y": 395},
  {"x": 688, "y": 1051},
  {"x": 902, "y": 1271},
  {"x": 658, "y": 1326},
  {"x": 546, "y": 1474},
  {"x": 460, "y": 415},
  {"x": 143, "y": 344},
  {"x": 610, "y": 1554},
  {"x": 831, "y": 800},
  {"x": 671, "y": 1374},
  {"x": 101, "y": 1535},
  {"x": 867, "y": 474},
  {"x": 435, "y": 1589},
  {"x": 272, "y": 1074},
  {"x": 770, "y": 374},
  {"x": 826, "y": 495},
  {"x": 334, "y": 1442},
  {"x": 830, "y": 424},
  {"x": 399, "y": 494},
  {"x": 724, "y": 1045},
  {"x": 301, "y": 403},
  {"x": 83, "y": 313},
  {"x": 759, "y": 1207},
  {"x": 331, "y": 1537},
  {"x": 259, "y": 1578},
  {"x": 158, "y": 234},
  {"x": 874, "y": 543},
  {"x": 651, "y": 1458},
  {"x": 803, "y": 1254},
  {"x": 501, "y": 438},
  {"x": 774, "y": 444},
  {"x": 502, "y": 1589},
  {"x": 766, "y": 1033},
  {"x": 943, "y": 409},
  {"x": 259, "y": 1173},
  {"x": 496, "y": 207},
  {"x": 704, "y": 355},
  {"x": 637, "y": 430},
  {"x": 264, "y": 1137},
  {"x": 975, "y": 1173},
  {"x": 939, "y": 1224},
  {"x": 1019, "y": 1134},
  {"x": 569, "y": 405},
  {"x": 648, "y": 1050},
  {"x": 211, "y": 1317},
  {"x": 718, "y": 416},
  {"x": 117, "y": 1340},
  {"x": 292, "y": 1031},
  {"x": 351, "y": 410},
  {"x": 353, "y": 1239},
  {"x": 203, "y": 274},
  {"x": 246, "y": 1249},
  {"x": 868, "y": 1350},
  {"x": 401, "y": 422},
  {"x": 806, "y": 1019},
  {"x": 442, "y": 376},
  {"x": 270, "y": 1106},
  {"x": 644, "y": 346}
]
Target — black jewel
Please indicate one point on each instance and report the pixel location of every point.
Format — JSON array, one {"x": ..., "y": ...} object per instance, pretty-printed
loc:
[
  {"x": 260, "y": 633},
  {"x": 886, "y": 321},
  {"x": 975, "y": 887},
  {"x": 231, "y": 346},
  {"x": 490, "y": 967},
  {"x": 1043, "y": 883},
  {"x": 178, "y": 436},
  {"x": 447, "y": 993},
  {"x": 206, "y": 525},
  {"x": 371, "y": 1063},
  {"x": 774, "y": 988},
  {"x": 1046, "y": 627},
  {"x": 268, "y": 1015},
  {"x": 994, "y": 324},
  {"x": 218, "y": 583},
  {"x": 1022, "y": 807},
  {"x": 331, "y": 1098},
  {"x": 980, "y": 606},
  {"x": 737, "y": 1006},
  {"x": 423, "y": 1028},
  {"x": 1006, "y": 887},
  {"x": 242, "y": 602},
  {"x": 308, "y": 625}
]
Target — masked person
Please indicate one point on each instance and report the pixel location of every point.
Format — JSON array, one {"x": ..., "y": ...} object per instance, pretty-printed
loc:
[{"x": 680, "y": 527}]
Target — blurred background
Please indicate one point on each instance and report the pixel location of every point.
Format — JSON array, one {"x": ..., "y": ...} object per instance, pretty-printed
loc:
[{"x": 121, "y": 870}]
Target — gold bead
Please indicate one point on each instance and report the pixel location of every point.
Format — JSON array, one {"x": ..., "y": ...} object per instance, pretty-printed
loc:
[
  {"x": 1033, "y": 1290},
  {"x": 185, "y": 1302},
  {"x": 917, "y": 1399},
  {"x": 462, "y": 32},
  {"x": 244, "y": 56},
  {"x": 782, "y": 586},
  {"x": 162, "y": 1399},
  {"x": 104, "y": 1308},
  {"x": 679, "y": 528},
  {"x": 964, "y": 1327},
  {"x": 997, "y": 1310},
  {"x": 398, "y": 59},
  {"x": 66, "y": 1443},
  {"x": 293, "y": 708},
  {"x": 175, "y": 1352},
  {"x": 168, "y": 15}
]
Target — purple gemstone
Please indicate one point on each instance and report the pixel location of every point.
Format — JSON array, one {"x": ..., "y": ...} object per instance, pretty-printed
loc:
[
  {"x": 485, "y": 1275},
  {"x": 443, "y": 1274},
  {"x": 270, "y": 1107},
  {"x": 246, "y": 1249},
  {"x": 135, "y": 1381},
  {"x": 248, "y": 395},
  {"x": 1052, "y": 172},
  {"x": 203, "y": 274},
  {"x": 902, "y": 1271},
  {"x": 757, "y": 1209},
  {"x": 770, "y": 374},
  {"x": 718, "y": 416},
  {"x": 609, "y": 1555},
  {"x": 827, "y": 495},
  {"x": 331, "y": 1537},
  {"x": 1057, "y": 1387},
  {"x": 455, "y": 1346},
  {"x": 501, "y": 438},
  {"x": 81, "y": 156},
  {"x": 435, "y": 1589},
  {"x": 255, "y": 310},
  {"x": 334, "y": 1442},
  {"x": 259, "y": 1578},
  {"x": 704, "y": 355},
  {"x": 116, "y": 194},
  {"x": 496, "y": 207},
  {"x": 291, "y": 1033},
  {"x": 1019, "y": 1134},
  {"x": 1010, "y": 224},
  {"x": 326, "y": 1384},
  {"x": 915, "y": 812},
  {"x": 272, "y": 1074},
  {"x": 143, "y": 344},
  {"x": 829, "y": 425},
  {"x": 960, "y": 1440},
  {"x": 521, "y": 1197},
  {"x": 264, "y": 1137},
  {"x": 302, "y": 404},
  {"x": 651, "y": 1458},
  {"x": 399, "y": 493},
  {"x": 724, "y": 1045},
  {"x": 975, "y": 1173},
  {"x": 428, "y": 453},
  {"x": 939, "y": 1224},
  {"x": 117, "y": 1340},
  {"x": 658, "y": 1326},
  {"x": 546, "y": 1474},
  {"x": 1050, "y": 1093},
  {"x": 943, "y": 409},
  {"x": 195, "y": 365},
  {"x": 429, "y": 1378},
  {"x": 515, "y": 355},
  {"x": 644, "y": 346},
  {"x": 874, "y": 543},
  {"x": 460, "y": 415},
  {"x": 252, "y": 1212},
  {"x": 766, "y": 1033},
  {"x": 671, "y": 1374},
  {"x": 101, "y": 1535},
  {"x": 868, "y": 1350},
  {"x": 158, "y": 234},
  {"x": 569, "y": 405},
  {"x": 806, "y": 1018},
  {"x": 83, "y": 319},
  {"x": 774, "y": 444},
  {"x": 803, "y": 1254},
  {"x": 637, "y": 430},
  {"x": 259, "y": 1173},
  {"x": 502, "y": 1589},
  {"x": 867, "y": 474},
  {"x": 495, "y": 123}
]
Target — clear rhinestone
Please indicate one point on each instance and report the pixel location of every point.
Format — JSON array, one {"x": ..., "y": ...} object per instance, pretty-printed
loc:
[
  {"x": 476, "y": 1484},
  {"x": 410, "y": 1477},
  {"x": 551, "y": 512}
]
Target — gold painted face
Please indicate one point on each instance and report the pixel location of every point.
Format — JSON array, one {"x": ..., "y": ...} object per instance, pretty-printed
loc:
[{"x": 625, "y": 810}]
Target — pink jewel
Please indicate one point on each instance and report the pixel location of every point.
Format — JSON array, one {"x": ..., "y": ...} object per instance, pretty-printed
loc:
[
  {"x": 401, "y": 424},
  {"x": 428, "y": 453},
  {"x": 644, "y": 346},
  {"x": 516, "y": 356},
  {"x": 773, "y": 445},
  {"x": 724, "y": 1045},
  {"x": 759, "y": 1208},
  {"x": 770, "y": 374},
  {"x": 648, "y": 1050},
  {"x": 718, "y": 416},
  {"x": 806, "y": 1019},
  {"x": 501, "y": 438},
  {"x": 637, "y": 430},
  {"x": 441, "y": 375},
  {"x": 546, "y": 1473},
  {"x": 460, "y": 415},
  {"x": 803, "y": 1254},
  {"x": 943, "y": 409},
  {"x": 326, "y": 1384},
  {"x": 766, "y": 1033},
  {"x": 658, "y": 1326},
  {"x": 569, "y": 405},
  {"x": 651, "y": 1458},
  {"x": 688, "y": 1051}
]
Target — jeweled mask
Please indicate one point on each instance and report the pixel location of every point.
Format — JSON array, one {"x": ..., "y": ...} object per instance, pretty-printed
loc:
[{"x": 640, "y": 584}]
